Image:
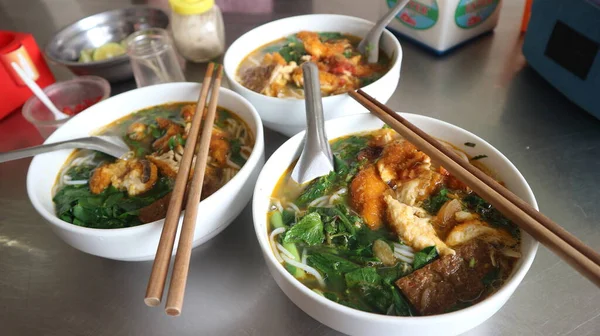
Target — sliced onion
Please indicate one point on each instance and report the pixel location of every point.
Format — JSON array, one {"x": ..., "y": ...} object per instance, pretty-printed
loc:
[
  {"x": 404, "y": 250},
  {"x": 306, "y": 269},
  {"x": 403, "y": 258}
]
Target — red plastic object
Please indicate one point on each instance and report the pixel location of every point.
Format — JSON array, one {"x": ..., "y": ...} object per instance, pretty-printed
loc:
[
  {"x": 21, "y": 49},
  {"x": 526, "y": 15}
]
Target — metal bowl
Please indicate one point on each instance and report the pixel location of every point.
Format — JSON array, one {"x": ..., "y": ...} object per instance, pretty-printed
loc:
[{"x": 96, "y": 30}]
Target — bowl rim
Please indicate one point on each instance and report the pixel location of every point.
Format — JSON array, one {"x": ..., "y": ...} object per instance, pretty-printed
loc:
[
  {"x": 110, "y": 61},
  {"x": 254, "y": 157},
  {"x": 96, "y": 80},
  {"x": 398, "y": 55},
  {"x": 506, "y": 290}
]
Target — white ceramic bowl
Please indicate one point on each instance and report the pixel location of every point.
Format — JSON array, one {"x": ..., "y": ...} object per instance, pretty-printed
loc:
[
  {"x": 215, "y": 213},
  {"x": 287, "y": 115},
  {"x": 355, "y": 322}
]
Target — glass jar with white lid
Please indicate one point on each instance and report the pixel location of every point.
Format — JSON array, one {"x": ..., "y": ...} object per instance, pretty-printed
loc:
[{"x": 197, "y": 28}]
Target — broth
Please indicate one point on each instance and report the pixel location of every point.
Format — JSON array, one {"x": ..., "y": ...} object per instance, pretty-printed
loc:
[
  {"x": 390, "y": 232},
  {"x": 98, "y": 191},
  {"x": 273, "y": 69}
]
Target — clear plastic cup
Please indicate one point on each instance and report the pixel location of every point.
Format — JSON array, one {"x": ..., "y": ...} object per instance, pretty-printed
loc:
[
  {"x": 68, "y": 94},
  {"x": 153, "y": 57}
]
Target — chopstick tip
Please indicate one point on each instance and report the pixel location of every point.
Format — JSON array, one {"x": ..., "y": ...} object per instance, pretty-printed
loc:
[
  {"x": 173, "y": 311},
  {"x": 151, "y": 301}
]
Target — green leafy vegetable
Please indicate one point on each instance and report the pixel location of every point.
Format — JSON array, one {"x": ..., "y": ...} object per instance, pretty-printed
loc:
[
  {"x": 348, "y": 53},
  {"x": 478, "y": 157},
  {"x": 317, "y": 188},
  {"x": 309, "y": 230},
  {"x": 293, "y": 50},
  {"x": 389, "y": 275},
  {"x": 235, "y": 156},
  {"x": 424, "y": 257},
  {"x": 348, "y": 148},
  {"x": 108, "y": 210},
  {"x": 277, "y": 221},
  {"x": 288, "y": 217},
  {"x": 434, "y": 203},
  {"x": 362, "y": 276},
  {"x": 489, "y": 214},
  {"x": 469, "y": 144},
  {"x": 222, "y": 115},
  {"x": 330, "y": 36},
  {"x": 364, "y": 81},
  {"x": 82, "y": 172},
  {"x": 491, "y": 276},
  {"x": 345, "y": 153}
]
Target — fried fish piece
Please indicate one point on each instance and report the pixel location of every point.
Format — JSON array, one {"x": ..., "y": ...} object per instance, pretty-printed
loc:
[
  {"x": 415, "y": 231},
  {"x": 366, "y": 196}
]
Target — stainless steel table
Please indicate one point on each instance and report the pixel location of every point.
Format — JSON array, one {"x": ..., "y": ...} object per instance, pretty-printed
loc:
[{"x": 49, "y": 288}]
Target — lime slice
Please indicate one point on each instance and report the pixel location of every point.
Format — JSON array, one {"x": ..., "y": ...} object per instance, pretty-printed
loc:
[
  {"x": 85, "y": 55},
  {"x": 107, "y": 51}
]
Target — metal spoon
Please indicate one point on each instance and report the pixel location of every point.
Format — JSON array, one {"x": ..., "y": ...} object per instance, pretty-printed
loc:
[
  {"x": 316, "y": 159},
  {"x": 369, "y": 46},
  {"x": 111, "y": 145}
]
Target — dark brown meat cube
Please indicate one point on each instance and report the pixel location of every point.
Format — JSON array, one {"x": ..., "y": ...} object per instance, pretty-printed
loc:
[
  {"x": 257, "y": 78},
  {"x": 452, "y": 279},
  {"x": 155, "y": 211},
  {"x": 369, "y": 153}
]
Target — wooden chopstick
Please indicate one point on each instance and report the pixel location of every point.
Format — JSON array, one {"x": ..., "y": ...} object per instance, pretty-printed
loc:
[
  {"x": 184, "y": 249},
  {"x": 160, "y": 268},
  {"x": 571, "y": 249}
]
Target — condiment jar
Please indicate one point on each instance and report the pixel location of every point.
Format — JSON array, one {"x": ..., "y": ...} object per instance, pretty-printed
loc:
[{"x": 197, "y": 27}]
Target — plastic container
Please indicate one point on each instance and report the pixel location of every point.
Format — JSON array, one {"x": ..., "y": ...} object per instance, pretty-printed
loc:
[
  {"x": 441, "y": 25},
  {"x": 22, "y": 49},
  {"x": 86, "y": 90},
  {"x": 198, "y": 30}
]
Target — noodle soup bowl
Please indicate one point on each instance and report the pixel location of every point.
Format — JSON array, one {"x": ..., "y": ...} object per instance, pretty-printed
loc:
[
  {"x": 287, "y": 115},
  {"x": 215, "y": 212},
  {"x": 356, "y": 322}
]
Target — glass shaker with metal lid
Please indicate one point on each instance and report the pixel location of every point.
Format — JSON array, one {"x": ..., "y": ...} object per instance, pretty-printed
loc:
[{"x": 197, "y": 27}]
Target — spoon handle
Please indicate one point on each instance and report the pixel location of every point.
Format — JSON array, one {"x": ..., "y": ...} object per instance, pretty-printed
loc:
[
  {"x": 387, "y": 18},
  {"x": 369, "y": 46},
  {"x": 87, "y": 143},
  {"x": 315, "y": 121}
]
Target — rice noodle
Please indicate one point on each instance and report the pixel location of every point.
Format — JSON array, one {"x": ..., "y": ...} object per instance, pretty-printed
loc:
[
  {"x": 284, "y": 251},
  {"x": 272, "y": 241},
  {"x": 333, "y": 198},
  {"x": 75, "y": 182},
  {"x": 306, "y": 269},
  {"x": 232, "y": 164},
  {"x": 319, "y": 201},
  {"x": 294, "y": 207}
]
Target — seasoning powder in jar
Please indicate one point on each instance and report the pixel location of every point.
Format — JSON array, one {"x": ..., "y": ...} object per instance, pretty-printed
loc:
[{"x": 197, "y": 27}]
